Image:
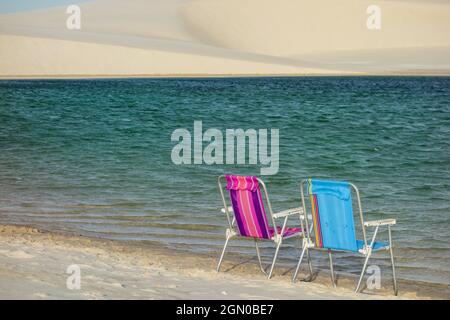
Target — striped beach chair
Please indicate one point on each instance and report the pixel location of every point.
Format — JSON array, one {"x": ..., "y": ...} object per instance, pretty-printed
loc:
[
  {"x": 247, "y": 215},
  {"x": 334, "y": 225}
]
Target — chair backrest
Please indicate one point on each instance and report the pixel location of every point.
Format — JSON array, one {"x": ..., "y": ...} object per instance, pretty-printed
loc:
[
  {"x": 332, "y": 211},
  {"x": 248, "y": 207}
]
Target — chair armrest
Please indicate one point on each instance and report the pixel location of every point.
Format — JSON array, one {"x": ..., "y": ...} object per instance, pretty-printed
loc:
[
  {"x": 384, "y": 222},
  {"x": 230, "y": 209},
  {"x": 288, "y": 212}
]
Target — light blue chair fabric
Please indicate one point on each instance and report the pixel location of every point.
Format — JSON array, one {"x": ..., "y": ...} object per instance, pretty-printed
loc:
[{"x": 335, "y": 212}]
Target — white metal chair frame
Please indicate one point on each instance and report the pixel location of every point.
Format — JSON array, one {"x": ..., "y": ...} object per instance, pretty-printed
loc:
[
  {"x": 231, "y": 231},
  {"x": 308, "y": 243}
]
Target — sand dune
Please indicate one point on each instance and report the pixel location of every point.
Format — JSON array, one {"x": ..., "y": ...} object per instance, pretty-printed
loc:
[
  {"x": 251, "y": 37},
  {"x": 292, "y": 27},
  {"x": 47, "y": 57}
]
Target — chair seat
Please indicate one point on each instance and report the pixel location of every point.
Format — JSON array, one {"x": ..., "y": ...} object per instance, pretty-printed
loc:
[
  {"x": 376, "y": 246},
  {"x": 288, "y": 232}
]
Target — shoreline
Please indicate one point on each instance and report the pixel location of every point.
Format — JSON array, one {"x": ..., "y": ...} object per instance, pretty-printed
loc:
[
  {"x": 34, "y": 262},
  {"x": 218, "y": 76}
]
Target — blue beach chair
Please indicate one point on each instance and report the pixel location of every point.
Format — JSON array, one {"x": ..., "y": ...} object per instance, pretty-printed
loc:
[{"x": 334, "y": 225}]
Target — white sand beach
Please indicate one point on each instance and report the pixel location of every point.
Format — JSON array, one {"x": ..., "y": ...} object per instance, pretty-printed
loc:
[
  {"x": 33, "y": 265},
  {"x": 227, "y": 37}
]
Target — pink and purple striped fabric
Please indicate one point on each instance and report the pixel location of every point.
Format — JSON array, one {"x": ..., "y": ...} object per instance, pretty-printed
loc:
[
  {"x": 249, "y": 210},
  {"x": 248, "y": 207}
]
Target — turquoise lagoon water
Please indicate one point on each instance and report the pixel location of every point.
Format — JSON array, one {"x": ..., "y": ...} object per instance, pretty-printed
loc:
[{"x": 94, "y": 157}]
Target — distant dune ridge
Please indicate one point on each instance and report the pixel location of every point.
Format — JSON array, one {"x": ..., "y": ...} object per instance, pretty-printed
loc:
[{"x": 227, "y": 37}]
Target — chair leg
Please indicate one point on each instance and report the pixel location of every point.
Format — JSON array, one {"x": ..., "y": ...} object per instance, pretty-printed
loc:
[
  {"x": 310, "y": 265},
  {"x": 223, "y": 253},
  {"x": 259, "y": 257},
  {"x": 392, "y": 262},
  {"x": 362, "y": 273},
  {"x": 299, "y": 263},
  {"x": 274, "y": 259},
  {"x": 331, "y": 268}
]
